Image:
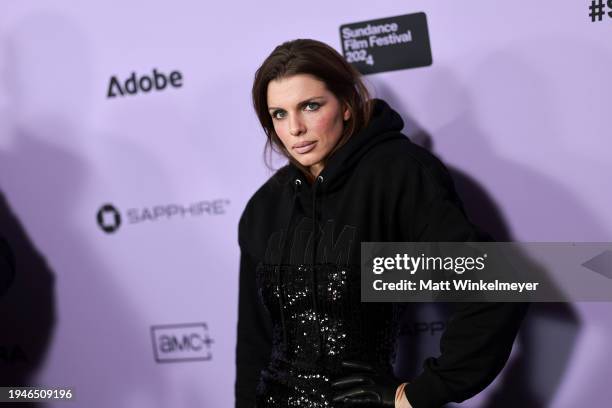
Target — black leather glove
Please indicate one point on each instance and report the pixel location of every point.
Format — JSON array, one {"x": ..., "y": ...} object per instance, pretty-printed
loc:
[{"x": 364, "y": 387}]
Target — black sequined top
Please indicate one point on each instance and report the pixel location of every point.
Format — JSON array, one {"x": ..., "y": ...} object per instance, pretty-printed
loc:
[{"x": 316, "y": 324}]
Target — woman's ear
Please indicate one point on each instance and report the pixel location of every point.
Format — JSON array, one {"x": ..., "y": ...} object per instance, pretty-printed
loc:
[{"x": 347, "y": 113}]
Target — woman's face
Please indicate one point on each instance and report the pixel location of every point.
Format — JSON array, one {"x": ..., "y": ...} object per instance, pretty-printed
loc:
[{"x": 307, "y": 118}]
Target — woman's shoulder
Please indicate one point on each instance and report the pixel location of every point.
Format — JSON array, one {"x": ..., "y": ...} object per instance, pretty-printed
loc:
[
  {"x": 401, "y": 156},
  {"x": 272, "y": 187},
  {"x": 269, "y": 196},
  {"x": 264, "y": 210}
]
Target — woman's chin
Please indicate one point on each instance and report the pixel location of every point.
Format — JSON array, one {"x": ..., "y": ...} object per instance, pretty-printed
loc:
[{"x": 306, "y": 161}]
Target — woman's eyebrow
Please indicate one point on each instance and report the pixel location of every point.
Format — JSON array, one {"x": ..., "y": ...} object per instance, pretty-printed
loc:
[{"x": 299, "y": 103}]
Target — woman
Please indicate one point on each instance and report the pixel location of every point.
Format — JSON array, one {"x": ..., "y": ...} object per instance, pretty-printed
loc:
[{"x": 304, "y": 337}]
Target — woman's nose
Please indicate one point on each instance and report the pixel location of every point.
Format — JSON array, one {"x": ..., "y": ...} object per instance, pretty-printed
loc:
[{"x": 295, "y": 126}]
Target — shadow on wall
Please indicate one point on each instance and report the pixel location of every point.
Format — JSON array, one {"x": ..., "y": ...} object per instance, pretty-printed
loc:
[
  {"x": 549, "y": 331},
  {"x": 548, "y": 334},
  {"x": 101, "y": 337},
  {"x": 27, "y": 302},
  {"x": 64, "y": 321}
]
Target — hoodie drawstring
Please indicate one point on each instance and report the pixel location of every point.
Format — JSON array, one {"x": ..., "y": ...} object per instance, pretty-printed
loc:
[
  {"x": 296, "y": 190},
  {"x": 315, "y": 230},
  {"x": 297, "y": 183}
]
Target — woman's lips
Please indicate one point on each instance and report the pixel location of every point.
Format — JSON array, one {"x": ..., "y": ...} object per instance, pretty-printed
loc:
[{"x": 305, "y": 148}]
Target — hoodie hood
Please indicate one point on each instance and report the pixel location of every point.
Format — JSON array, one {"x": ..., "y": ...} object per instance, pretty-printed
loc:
[{"x": 385, "y": 125}]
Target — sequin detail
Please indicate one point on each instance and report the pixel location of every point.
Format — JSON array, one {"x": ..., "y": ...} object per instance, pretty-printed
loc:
[{"x": 310, "y": 342}]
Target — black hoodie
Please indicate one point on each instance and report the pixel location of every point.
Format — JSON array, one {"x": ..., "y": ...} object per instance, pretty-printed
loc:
[{"x": 379, "y": 186}]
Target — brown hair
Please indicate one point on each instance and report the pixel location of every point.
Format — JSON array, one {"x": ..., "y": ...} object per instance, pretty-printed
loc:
[{"x": 307, "y": 56}]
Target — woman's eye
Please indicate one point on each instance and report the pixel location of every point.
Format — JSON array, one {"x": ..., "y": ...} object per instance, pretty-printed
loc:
[
  {"x": 274, "y": 114},
  {"x": 312, "y": 106},
  {"x": 316, "y": 105}
]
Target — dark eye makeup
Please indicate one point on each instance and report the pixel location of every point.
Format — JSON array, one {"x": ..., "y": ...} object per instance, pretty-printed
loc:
[{"x": 316, "y": 104}]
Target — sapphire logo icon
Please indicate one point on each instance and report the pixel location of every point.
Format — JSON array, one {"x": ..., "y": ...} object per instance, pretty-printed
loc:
[{"x": 109, "y": 219}]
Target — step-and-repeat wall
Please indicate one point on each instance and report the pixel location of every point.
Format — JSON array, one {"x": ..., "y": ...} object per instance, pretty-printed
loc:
[{"x": 129, "y": 147}]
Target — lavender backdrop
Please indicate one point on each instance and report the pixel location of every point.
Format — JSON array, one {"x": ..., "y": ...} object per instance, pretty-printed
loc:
[{"x": 516, "y": 103}]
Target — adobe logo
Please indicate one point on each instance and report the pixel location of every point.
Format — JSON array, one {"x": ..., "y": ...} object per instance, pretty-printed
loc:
[{"x": 135, "y": 84}]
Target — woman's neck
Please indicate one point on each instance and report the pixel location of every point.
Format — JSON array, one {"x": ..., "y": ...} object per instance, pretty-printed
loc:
[{"x": 314, "y": 171}]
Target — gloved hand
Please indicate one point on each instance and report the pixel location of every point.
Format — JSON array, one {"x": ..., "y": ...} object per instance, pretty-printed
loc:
[{"x": 365, "y": 387}]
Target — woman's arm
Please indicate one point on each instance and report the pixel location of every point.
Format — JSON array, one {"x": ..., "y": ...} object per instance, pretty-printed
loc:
[
  {"x": 479, "y": 335},
  {"x": 254, "y": 341}
]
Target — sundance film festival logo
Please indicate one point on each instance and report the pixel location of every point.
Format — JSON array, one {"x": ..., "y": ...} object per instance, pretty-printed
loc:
[
  {"x": 181, "y": 342},
  {"x": 157, "y": 81},
  {"x": 387, "y": 44},
  {"x": 109, "y": 218}
]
